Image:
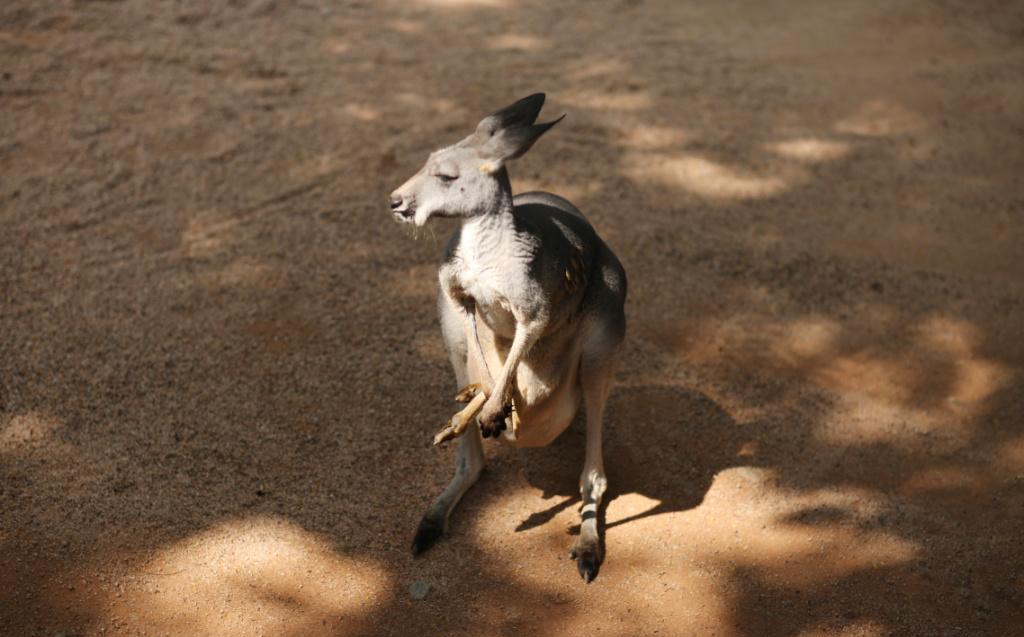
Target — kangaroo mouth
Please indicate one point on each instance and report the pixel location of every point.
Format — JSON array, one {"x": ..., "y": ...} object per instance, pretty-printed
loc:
[{"x": 405, "y": 216}]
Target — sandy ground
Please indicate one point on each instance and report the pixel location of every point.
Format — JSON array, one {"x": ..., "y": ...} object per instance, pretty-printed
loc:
[{"x": 220, "y": 366}]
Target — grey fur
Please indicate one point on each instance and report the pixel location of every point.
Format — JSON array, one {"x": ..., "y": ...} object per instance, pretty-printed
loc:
[{"x": 531, "y": 307}]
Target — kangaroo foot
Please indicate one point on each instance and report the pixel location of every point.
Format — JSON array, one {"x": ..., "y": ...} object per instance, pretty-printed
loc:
[
  {"x": 466, "y": 393},
  {"x": 457, "y": 424},
  {"x": 588, "y": 555}
]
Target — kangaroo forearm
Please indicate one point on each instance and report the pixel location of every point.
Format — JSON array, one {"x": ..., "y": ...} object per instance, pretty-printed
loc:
[
  {"x": 474, "y": 348},
  {"x": 524, "y": 338}
]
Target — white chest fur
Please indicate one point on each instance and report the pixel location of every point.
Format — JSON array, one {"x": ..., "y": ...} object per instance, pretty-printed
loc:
[{"x": 493, "y": 271}]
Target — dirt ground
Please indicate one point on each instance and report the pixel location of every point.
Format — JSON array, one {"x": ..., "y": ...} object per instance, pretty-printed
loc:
[{"x": 220, "y": 364}]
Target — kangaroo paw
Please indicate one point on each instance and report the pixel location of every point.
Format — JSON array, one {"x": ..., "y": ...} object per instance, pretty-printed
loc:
[{"x": 499, "y": 422}]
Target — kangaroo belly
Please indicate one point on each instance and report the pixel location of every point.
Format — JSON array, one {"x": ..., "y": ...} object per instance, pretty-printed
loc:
[
  {"x": 546, "y": 392},
  {"x": 544, "y": 418}
]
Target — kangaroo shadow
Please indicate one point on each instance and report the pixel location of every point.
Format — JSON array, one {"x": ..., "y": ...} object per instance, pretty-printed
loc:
[{"x": 661, "y": 441}]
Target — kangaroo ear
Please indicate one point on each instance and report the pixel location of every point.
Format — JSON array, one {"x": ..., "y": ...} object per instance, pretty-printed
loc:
[
  {"x": 523, "y": 113},
  {"x": 510, "y": 132}
]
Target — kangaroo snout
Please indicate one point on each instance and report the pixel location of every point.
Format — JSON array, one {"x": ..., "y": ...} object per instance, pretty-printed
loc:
[{"x": 403, "y": 208}]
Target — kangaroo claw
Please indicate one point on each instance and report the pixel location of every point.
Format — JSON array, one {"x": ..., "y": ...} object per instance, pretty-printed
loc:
[{"x": 505, "y": 420}]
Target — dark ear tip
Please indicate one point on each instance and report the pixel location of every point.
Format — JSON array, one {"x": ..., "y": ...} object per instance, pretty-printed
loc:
[
  {"x": 535, "y": 101},
  {"x": 546, "y": 125}
]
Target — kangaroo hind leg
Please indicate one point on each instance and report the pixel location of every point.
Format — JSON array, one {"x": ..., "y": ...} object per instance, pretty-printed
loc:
[
  {"x": 469, "y": 458},
  {"x": 597, "y": 374}
]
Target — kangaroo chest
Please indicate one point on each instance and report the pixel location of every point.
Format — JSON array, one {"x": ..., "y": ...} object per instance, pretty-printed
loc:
[
  {"x": 485, "y": 283},
  {"x": 492, "y": 273}
]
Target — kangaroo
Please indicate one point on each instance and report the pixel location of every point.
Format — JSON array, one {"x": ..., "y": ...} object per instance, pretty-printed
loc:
[{"x": 531, "y": 305}]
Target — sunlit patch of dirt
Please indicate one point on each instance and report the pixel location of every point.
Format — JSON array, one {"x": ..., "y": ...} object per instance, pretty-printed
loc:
[
  {"x": 250, "y": 576},
  {"x": 605, "y": 101},
  {"x": 934, "y": 370},
  {"x": 795, "y": 540},
  {"x": 1011, "y": 458},
  {"x": 362, "y": 112},
  {"x": 649, "y": 137},
  {"x": 881, "y": 117},
  {"x": 810, "y": 149},
  {"x": 791, "y": 540},
  {"x": 26, "y": 428},
  {"x": 708, "y": 178},
  {"x": 406, "y": 27},
  {"x": 337, "y": 46},
  {"x": 463, "y": 4},
  {"x": 517, "y": 42}
]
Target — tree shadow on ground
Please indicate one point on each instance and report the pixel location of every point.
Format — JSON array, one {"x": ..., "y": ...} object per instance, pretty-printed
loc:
[
  {"x": 210, "y": 356},
  {"x": 666, "y": 443},
  {"x": 955, "y": 507}
]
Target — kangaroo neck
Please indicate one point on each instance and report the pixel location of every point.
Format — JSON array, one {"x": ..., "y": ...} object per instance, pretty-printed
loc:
[{"x": 497, "y": 222}]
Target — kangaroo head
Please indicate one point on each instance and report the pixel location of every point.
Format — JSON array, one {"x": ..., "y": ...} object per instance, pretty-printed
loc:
[{"x": 469, "y": 178}]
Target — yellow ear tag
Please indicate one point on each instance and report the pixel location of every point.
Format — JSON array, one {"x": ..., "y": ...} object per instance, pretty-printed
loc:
[{"x": 487, "y": 168}]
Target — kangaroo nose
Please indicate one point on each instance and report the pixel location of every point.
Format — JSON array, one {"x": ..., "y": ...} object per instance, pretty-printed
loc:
[{"x": 395, "y": 202}]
